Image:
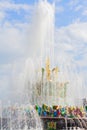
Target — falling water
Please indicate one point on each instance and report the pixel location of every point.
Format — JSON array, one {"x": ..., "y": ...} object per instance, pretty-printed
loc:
[
  {"x": 19, "y": 117},
  {"x": 63, "y": 82},
  {"x": 44, "y": 83},
  {"x": 42, "y": 36}
]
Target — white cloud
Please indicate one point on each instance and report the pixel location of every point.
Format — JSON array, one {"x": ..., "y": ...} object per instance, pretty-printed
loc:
[
  {"x": 4, "y": 5},
  {"x": 84, "y": 12},
  {"x": 12, "y": 37},
  {"x": 58, "y": 1},
  {"x": 11, "y": 79},
  {"x": 78, "y": 7},
  {"x": 59, "y": 9},
  {"x": 73, "y": 3},
  {"x": 71, "y": 53},
  {"x": 71, "y": 42},
  {"x": 7, "y": 6},
  {"x": 2, "y": 15},
  {"x": 74, "y": 34}
]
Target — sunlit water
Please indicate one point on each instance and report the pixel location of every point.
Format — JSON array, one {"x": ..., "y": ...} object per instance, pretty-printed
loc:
[
  {"x": 19, "y": 117},
  {"x": 24, "y": 117},
  {"x": 61, "y": 87}
]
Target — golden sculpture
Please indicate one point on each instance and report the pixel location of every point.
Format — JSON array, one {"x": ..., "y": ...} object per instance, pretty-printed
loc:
[{"x": 48, "y": 71}]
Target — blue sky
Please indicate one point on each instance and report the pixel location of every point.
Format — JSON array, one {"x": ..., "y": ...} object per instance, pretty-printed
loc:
[{"x": 15, "y": 19}]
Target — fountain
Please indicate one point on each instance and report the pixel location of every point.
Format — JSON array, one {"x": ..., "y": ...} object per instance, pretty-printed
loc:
[
  {"x": 49, "y": 87},
  {"x": 46, "y": 83},
  {"x": 46, "y": 89},
  {"x": 19, "y": 117},
  {"x": 46, "y": 86}
]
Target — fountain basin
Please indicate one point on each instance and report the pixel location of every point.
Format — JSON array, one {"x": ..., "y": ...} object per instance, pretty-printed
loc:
[{"x": 56, "y": 123}]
